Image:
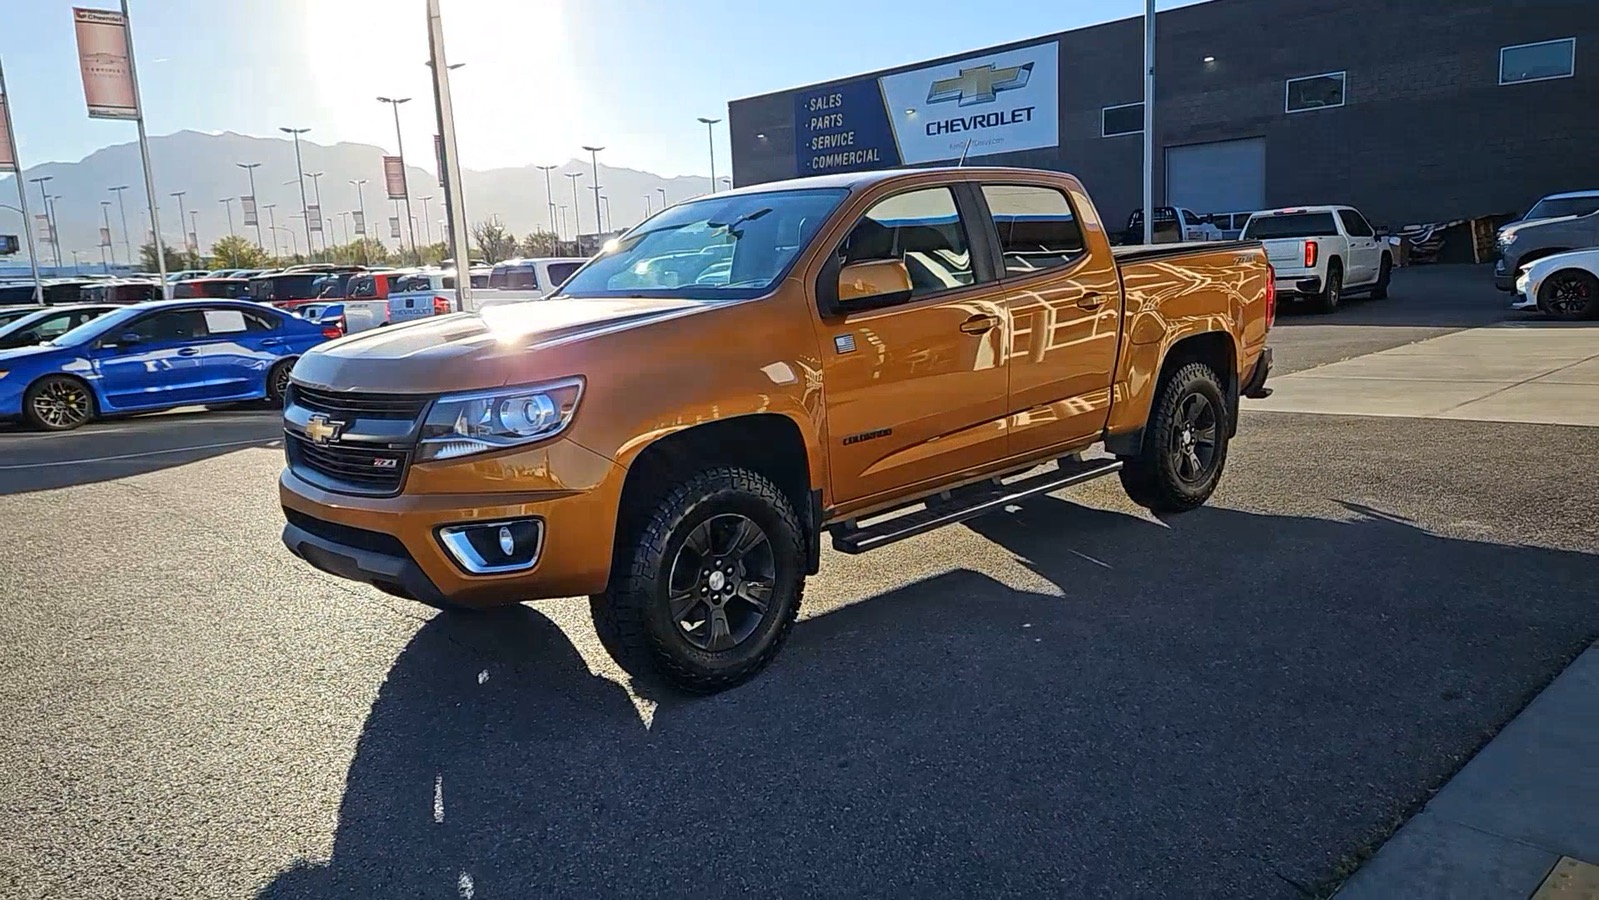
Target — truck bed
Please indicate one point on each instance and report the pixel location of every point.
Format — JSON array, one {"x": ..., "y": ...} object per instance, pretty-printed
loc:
[{"x": 1146, "y": 252}]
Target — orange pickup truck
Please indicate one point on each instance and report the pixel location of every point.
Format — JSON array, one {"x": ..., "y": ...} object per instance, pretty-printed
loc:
[{"x": 868, "y": 356}]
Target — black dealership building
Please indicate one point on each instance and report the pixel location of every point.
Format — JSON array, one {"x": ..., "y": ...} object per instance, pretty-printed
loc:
[{"x": 1414, "y": 111}]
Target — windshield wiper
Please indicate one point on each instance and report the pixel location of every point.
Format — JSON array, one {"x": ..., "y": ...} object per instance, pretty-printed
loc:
[{"x": 747, "y": 217}]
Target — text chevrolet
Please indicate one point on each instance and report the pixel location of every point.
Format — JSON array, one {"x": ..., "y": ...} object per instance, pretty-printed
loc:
[{"x": 868, "y": 356}]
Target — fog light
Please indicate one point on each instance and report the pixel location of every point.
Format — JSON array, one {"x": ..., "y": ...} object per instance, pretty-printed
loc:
[{"x": 492, "y": 548}]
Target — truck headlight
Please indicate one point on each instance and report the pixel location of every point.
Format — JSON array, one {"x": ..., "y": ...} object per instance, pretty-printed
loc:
[
  {"x": 462, "y": 424},
  {"x": 1506, "y": 240}
]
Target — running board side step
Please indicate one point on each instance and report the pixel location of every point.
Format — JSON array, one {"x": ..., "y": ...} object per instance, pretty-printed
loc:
[{"x": 966, "y": 504}]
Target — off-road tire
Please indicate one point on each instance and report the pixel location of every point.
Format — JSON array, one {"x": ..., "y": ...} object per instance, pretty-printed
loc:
[
  {"x": 1385, "y": 274},
  {"x": 633, "y": 618},
  {"x": 1331, "y": 296},
  {"x": 1150, "y": 478},
  {"x": 65, "y": 384},
  {"x": 277, "y": 383}
]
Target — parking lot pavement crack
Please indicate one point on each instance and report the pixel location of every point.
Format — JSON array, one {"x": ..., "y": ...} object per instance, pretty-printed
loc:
[{"x": 1524, "y": 381}]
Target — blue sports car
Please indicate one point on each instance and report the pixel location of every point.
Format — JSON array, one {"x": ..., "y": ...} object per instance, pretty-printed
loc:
[{"x": 154, "y": 356}]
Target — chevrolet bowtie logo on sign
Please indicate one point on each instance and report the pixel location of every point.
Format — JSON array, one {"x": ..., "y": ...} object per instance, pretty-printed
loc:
[
  {"x": 322, "y": 430},
  {"x": 979, "y": 84}
]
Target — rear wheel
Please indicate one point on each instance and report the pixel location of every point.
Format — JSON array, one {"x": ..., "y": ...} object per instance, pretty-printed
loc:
[
  {"x": 1570, "y": 295},
  {"x": 1380, "y": 291},
  {"x": 705, "y": 591},
  {"x": 58, "y": 403},
  {"x": 1333, "y": 293},
  {"x": 1185, "y": 443}
]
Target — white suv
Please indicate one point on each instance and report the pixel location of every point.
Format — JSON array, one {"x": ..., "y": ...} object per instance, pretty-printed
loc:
[{"x": 1322, "y": 253}]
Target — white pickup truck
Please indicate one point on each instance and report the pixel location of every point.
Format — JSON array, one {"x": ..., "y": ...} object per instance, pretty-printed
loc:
[{"x": 1322, "y": 253}]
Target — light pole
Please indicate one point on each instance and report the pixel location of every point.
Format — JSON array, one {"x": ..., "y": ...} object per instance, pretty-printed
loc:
[
  {"x": 50, "y": 208},
  {"x": 710, "y": 141},
  {"x": 194, "y": 232},
  {"x": 228, "y": 202},
  {"x": 662, "y": 192},
  {"x": 299, "y": 170},
  {"x": 549, "y": 196},
  {"x": 182, "y": 217},
  {"x": 294, "y": 242},
  {"x": 360, "y": 198},
  {"x": 105, "y": 216},
  {"x": 55, "y": 239},
  {"x": 648, "y": 206},
  {"x": 344, "y": 223},
  {"x": 427, "y": 227},
  {"x": 404, "y": 186},
  {"x": 576, "y": 227},
  {"x": 561, "y": 235},
  {"x": 272, "y": 225},
  {"x": 727, "y": 181},
  {"x": 1149, "y": 122},
  {"x": 594, "y": 159},
  {"x": 250, "y": 168},
  {"x": 321, "y": 217},
  {"x": 607, "y": 202},
  {"x": 127, "y": 241}
]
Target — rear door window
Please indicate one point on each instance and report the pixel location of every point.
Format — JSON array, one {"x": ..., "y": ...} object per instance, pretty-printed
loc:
[
  {"x": 220, "y": 322},
  {"x": 1037, "y": 229},
  {"x": 1291, "y": 225},
  {"x": 1354, "y": 224}
]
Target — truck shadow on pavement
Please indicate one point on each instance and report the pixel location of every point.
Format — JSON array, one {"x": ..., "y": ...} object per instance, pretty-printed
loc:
[{"x": 1225, "y": 706}]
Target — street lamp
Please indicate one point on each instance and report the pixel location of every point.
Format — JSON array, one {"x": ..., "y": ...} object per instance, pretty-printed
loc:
[
  {"x": 594, "y": 158},
  {"x": 360, "y": 197},
  {"x": 50, "y": 209},
  {"x": 321, "y": 221},
  {"x": 194, "y": 232},
  {"x": 727, "y": 181},
  {"x": 250, "y": 168},
  {"x": 576, "y": 228},
  {"x": 399, "y": 141},
  {"x": 55, "y": 239},
  {"x": 127, "y": 243},
  {"x": 561, "y": 235},
  {"x": 549, "y": 197},
  {"x": 105, "y": 216},
  {"x": 662, "y": 192},
  {"x": 228, "y": 202},
  {"x": 427, "y": 227},
  {"x": 648, "y": 206},
  {"x": 181, "y": 216},
  {"x": 607, "y": 202},
  {"x": 710, "y": 141},
  {"x": 299, "y": 169},
  {"x": 272, "y": 225}
]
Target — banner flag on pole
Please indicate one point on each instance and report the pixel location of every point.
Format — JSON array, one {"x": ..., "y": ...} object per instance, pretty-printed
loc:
[
  {"x": 314, "y": 217},
  {"x": 105, "y": 237},
  {"x": 45, "y": 234},
  {"x": 394, "y": 227},
  {"x": 103, "y": 60},
  {"x": 249, "y": 210},
  {"x": 360, "y": 222},
  {"x": 7, "y": 164},
  {"x": 438, "y": 153},
  {"x": 394, "y": 177}
]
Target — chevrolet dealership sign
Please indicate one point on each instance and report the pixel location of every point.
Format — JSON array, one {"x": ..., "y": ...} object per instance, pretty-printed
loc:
[{"x": 979, "y": 106}]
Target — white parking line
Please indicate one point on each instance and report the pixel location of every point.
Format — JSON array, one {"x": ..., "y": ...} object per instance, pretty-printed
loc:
[{"x": 259, "y": 442}]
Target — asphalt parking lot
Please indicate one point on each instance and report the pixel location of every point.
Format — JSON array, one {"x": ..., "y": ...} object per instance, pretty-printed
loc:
[{"x": 1070, "y": 699}]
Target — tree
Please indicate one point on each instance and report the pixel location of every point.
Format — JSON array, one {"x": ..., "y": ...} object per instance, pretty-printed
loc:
[
  {"x": 540, "y": 243},
  {"x": 176, "y": 262},
  {"x": 433, "y": 254},
  {"x": 234, "y": 252},
  {"x": 493, "y": 242}
]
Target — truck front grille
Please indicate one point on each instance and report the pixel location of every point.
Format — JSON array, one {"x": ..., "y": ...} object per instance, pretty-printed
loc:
[
  {"x": 360, "y": 406},
  {"x": 352, "y": 468}
]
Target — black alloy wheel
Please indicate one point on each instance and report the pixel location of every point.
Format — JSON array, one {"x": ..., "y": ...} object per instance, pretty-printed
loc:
[
  {"x": 59, "y": 404},
  {"x": 1193, "y": 441},
  {"x": 278, "y": 382},
  {"x": 1570, "y": 295},
  {"x": 721, "y": 582}
]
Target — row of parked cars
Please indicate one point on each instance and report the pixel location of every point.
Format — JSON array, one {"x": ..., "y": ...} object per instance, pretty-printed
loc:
[{"x": 1549, "y": 258}]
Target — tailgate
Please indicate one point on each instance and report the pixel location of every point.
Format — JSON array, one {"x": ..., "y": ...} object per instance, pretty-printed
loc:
[
  {"x": 1286, "y": 253},
  {"x": 410, "y": 306}
]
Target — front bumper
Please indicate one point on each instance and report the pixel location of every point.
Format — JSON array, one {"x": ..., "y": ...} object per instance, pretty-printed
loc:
[
  {"x": 1504, "y": 276},
  {"x": 393, "y": 543}
]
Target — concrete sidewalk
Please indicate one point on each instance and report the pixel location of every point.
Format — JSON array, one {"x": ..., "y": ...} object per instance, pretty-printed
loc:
[
  {"x": 1542, "y": 373},
  {"x": 1521, "y": 818}
]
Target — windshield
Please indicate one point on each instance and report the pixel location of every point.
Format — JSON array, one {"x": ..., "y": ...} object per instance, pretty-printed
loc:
[
  {"x": 1293, "y": 225},
  {"x": 1552, "y": 208},
  {"x": 727, "y": 247}
]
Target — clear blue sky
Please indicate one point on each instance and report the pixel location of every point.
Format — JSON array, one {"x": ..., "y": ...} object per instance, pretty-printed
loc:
[{"x": 543, "y": 77}]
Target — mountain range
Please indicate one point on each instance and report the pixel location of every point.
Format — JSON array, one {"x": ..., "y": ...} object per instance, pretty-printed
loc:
[{"x": 205, "y": 167}]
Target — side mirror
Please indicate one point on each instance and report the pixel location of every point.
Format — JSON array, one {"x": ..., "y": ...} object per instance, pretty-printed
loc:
[
  {"x": 878, "y": 282},
  {"x": 128, "y": 339},
  {"x": 1209, "y": 219}
]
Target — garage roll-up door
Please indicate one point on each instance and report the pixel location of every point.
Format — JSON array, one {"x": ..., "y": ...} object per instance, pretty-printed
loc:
[{"x": 1225, "y": 176}]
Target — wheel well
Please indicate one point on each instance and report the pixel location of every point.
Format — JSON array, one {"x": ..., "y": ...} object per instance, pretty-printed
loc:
[
  {"x": 765, "y": 443},
  {"x": 1216, "y": 350},
  {"x": 1535, "y": 255},
  {"x": 87, "y": 387},
  {"x": 1335, "y": 261}
]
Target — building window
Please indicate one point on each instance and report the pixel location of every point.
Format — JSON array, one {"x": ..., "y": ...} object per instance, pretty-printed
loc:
[
  {"x": 1324, "y": 91},
  {"x": 1125, "y": 119},
  {"x": 1538, "y": 62}
]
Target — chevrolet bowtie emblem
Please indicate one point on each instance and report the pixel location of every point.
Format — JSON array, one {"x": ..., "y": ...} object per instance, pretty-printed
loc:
[
  {"x": 321, "y": 430},
  {"x": 979, "y": 84}
]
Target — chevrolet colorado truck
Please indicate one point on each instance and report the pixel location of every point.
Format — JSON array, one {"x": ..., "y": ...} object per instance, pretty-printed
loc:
[{"x": 865, "y": 356}]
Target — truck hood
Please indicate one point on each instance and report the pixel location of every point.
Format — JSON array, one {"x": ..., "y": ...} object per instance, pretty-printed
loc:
[
  {"x": 468, "y": 351},
  {"x": 1514, "y": 227}
]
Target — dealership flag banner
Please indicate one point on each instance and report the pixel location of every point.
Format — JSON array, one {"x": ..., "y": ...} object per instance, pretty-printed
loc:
[
  {"x": 45, "y": 234},
  {"x": 438, "y": 151},
  {"x": 249, "y": 210},
  {"x": 314, "y": 216},
  {"x": 394, "y": 177},
  {"x": 194, "y": 242},
  {"x": 360, "y": 222},
  {"x": 7, "y": 164},
  {"x": 394, "y": 227},
  {"x": 105, "y": 237},
  {"x": 103, "y": 60}
]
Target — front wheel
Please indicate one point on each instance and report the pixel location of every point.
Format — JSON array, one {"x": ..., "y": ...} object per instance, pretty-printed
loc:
[
  {"x": 1185, "y": 443},
  {"x": 706, "y": 589},
  {"x": 57, "y": 403},
  {"x": 1571, "y": 295},
  {"x": 277, "y": 383}
]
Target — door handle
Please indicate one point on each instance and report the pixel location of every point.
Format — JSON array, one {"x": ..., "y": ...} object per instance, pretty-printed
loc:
[
  {"x": 1091, "y": 300},
  {"x": 980, "y": 324},
  {"x": 188, "y": 351},
  {"x": 271, "y": 342}
]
